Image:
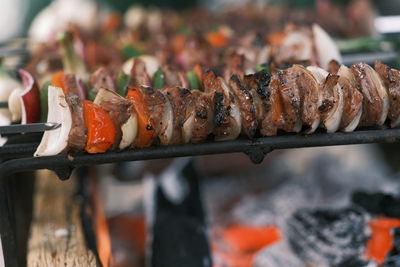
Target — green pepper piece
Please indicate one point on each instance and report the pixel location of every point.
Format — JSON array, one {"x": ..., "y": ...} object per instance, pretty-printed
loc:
[
  {"x": 44, "y": 101},
  {"x": 122, "y": 83},
  {"x": 91, "y": 94},
  {"x": 193, "y": 82},
  {"x": 263, "y": 67},
  {"x": 158, "y": 79},
  {"x": 130, "y": 51}
]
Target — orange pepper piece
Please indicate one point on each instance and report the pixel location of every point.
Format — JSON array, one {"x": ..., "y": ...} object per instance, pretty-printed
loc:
[
  {"x": 57, "y": 80},
  {"x": 101, "y": 129},
  {"x": 250, "y": 239},
  {"x": 216, "y": 39},
  {"x": 112, "y": 22},
  {"x": 276, "y": 38},
  {"x": 381, "y": 241},
  {"x": 178, "y": 43},
  {"x": 145, "y": 123}
]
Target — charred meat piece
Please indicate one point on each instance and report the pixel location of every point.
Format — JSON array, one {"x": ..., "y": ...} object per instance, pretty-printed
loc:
[
  {"x": 227, "y": 118},
  {"x": 181, "y": 99},
  {"x": 160, "y": 111},
  {"x": 290, "y": 97},
  {"x": 199, "y": 118},
  {"x": 102, "y": 78},
  {"x": 376, "y": 100},
  {"x": 391, "y": 79},
  {"x": 353, "y": 98},
  {"x": 78, "y": 134},
  {"x": 274, "y": 117},
  {"x": 308, "y": 90},
  {"x": 139, "y": 75},
  {"x": 246, "y": 106},
  {"x": 258, "y": 85}
]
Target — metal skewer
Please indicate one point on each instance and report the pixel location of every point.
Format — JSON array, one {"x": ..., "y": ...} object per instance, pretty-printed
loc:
[{"x": 29, "y": 128}]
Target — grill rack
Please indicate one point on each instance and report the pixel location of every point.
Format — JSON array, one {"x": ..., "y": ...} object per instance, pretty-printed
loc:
[{"x": 18, "y": 157}]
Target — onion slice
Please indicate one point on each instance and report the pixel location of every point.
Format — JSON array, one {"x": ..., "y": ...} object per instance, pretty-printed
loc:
[
  {"x": 56, "y": 141},
  {"x": 325, "y": 46}
]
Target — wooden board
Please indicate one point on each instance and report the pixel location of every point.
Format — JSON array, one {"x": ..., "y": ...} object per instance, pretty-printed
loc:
[{"x": 56, "y": 235}]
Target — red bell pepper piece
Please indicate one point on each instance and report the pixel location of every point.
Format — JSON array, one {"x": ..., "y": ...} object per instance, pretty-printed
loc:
[
  {"x": 145, "y": 123},
  {"x": 101, "y": 129},
  {"x": 30, "y": 98}
]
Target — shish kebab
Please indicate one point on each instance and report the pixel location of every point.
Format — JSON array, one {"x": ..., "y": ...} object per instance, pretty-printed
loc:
[{"x": 290, "y": 100}]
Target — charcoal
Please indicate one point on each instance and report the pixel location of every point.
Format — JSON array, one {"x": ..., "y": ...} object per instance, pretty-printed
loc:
[
  {"x": 328, "y": 237},
  {"x": 393, "y": 257},
  {"x": 378, "y": 203},
  {"x": 355, "y": 262}
]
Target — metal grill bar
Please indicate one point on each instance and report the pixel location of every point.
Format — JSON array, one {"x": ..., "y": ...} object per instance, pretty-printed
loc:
[{"x": 256, "y": 149}]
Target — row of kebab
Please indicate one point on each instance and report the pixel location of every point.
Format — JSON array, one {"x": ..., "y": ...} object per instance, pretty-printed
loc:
[{"x": 213, "y": 88}]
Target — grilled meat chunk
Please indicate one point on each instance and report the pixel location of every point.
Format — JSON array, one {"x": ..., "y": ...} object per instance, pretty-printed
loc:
[
  {"x": 391, "y": 79},
  {"x": 199, "y": 118},
  {"x": 376, "y": 100},
  {"x": 118, "y": 108},
  {"x": 330, "y": 103},
  {"x": 246, "y": 106},
  {"x": 139, "y": 75},
  {"x": 160, "y": 111},
  {"x": 290, "y": 97},
  {"x": 227, "y": 118},
  {"x": 181, "y": 99},
  {"x": 78, "y": 134},
  {"x": 274, "y": 117},
  {"x": 353, "y": 99},
  {"x": 308, "y": 90},
  {"x": 102, "y": 78}
]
